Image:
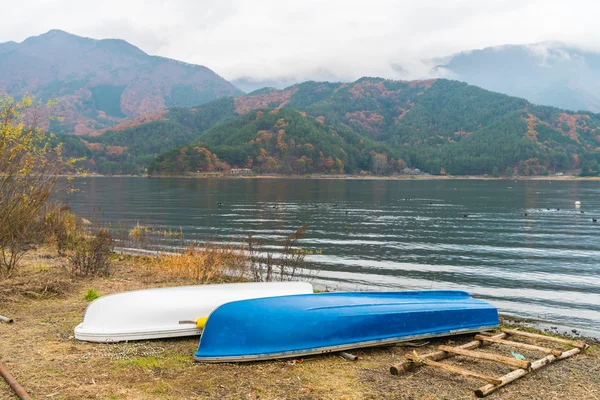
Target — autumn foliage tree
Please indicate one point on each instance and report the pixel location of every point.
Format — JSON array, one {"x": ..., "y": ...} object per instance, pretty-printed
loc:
[
  {"x": 379, "y": 163},
  {"x": 29, "y": 174}
]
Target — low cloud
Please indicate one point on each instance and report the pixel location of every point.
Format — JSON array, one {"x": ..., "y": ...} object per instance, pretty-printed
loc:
[{"x": 272, "y": 40}]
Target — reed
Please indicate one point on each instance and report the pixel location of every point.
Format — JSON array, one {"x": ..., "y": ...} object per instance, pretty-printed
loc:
[
  {"x": 145, "y": 236},
  {"x": 202, "y": 263}
]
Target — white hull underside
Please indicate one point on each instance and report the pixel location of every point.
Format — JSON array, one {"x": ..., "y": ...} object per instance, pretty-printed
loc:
[{"x": 158, "y": 313}]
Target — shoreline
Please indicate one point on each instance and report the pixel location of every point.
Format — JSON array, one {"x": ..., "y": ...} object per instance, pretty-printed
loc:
[
  {"x": 47, "y": 304},
  {"x": 359, "y": 177}
]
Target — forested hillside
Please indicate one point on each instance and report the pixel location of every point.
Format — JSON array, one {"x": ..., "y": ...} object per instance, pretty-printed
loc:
[
  {"x": 130, "y": 147},
  {"x": 369, "y": 126},
  {"x": 276, "y": 141}
]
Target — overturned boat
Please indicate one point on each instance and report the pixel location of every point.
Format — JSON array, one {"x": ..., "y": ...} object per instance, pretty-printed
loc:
[
  {"x": 169, "y": 312},
  {"x": 292, "y": 326}
]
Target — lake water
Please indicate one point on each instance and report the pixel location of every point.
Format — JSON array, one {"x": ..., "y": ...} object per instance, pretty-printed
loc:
[{"x": 523, "y": 245}]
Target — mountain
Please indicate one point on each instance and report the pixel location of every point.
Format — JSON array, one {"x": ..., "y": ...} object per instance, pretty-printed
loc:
[
  {"x": 249, "y": 85},
  {"x": 550, "y": 74},
  {"x": 371, "y": 126},
  {"x": 99, "y": 83},
  {"x": 6, "y": 47},
  {"x": 131, "y": 146}
]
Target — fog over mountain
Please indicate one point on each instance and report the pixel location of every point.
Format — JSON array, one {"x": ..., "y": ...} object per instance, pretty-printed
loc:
[
  {"x": 551, "y": 74},
  {"x": 548, "y": 73},
  {"x": 309, "y": 39}
]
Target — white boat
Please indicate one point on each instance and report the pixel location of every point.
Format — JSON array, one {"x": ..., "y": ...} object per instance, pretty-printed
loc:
[{"x": 169, "y": 312}]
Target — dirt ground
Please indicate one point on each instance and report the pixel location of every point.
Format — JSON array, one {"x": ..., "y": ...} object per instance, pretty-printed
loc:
[{"x": 40, "y": 351}]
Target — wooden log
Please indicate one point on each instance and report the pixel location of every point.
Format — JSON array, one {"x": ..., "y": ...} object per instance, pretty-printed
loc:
[
  {"x": 574, "y": 343},
  {"x": 514, "y": 375},
  {"x": 454, "y": 369},
  {"x": 487, "y": 356},
  {"x": 408, "y": 366},
  {"x": 13, "y": 384},
  {"x": 488, "y": 333},
  {"x": 520, "y": 345}
]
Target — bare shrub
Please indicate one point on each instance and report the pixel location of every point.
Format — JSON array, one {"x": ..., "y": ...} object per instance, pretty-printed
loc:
[
  {"x": 90, "y": 254},
  {"x": 264, "y": 266},
  {"x": 60, "y": 227},
  {"x": 29, "y": 168}
]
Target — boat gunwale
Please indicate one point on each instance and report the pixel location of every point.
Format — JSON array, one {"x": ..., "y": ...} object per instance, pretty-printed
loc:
[
  {"x": 123, "y": 336},
  {"x": 333, "y": 349}
]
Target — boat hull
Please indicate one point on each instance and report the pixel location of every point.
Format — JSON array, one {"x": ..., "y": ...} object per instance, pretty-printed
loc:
[
  {"x": 301, "y": 325},
  {"x": 168, "y": 312}
]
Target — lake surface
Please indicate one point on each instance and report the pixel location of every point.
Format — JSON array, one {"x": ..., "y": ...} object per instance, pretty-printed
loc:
[{"x": 523, "y": 245}]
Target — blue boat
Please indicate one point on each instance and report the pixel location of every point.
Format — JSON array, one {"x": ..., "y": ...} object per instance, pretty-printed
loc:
[{"x": 301, "y": 325}]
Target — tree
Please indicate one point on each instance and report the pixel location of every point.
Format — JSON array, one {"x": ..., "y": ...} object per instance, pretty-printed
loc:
[
  {"x": 29, "y": 173},
  {"x": 379, "y": 163}
]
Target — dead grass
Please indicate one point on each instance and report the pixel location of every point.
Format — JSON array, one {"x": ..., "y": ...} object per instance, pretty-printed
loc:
[
  {"x": 40, "y": 351},
  {"x": 43, "y": 278},
  {"x": 201, "y": 263}
]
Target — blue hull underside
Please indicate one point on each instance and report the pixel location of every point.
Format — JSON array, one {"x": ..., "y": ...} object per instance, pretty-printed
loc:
[{"x": 291, "y": 326}]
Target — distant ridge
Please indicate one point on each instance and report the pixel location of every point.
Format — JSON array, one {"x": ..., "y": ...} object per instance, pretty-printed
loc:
[
  {"x": 370, "y": 126},
  {"x": 100, "y": 83}
]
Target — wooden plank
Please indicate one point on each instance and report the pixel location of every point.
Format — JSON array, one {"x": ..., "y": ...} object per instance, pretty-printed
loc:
[
  {"x": 514, "y": 375},
  {"x": 574, "y": 343},
  {"x": 456, "y": 370},
  {"x": 519, "y": 345},
  {"x": 487, "y": 356},
  {"x": 406, "y": 366}
]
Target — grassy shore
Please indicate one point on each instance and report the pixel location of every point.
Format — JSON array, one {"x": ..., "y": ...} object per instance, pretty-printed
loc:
[{"x": 40, "y": 351}]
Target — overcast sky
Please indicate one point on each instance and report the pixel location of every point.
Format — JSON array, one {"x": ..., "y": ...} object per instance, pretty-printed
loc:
[{"x": 309, "y": 39}]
